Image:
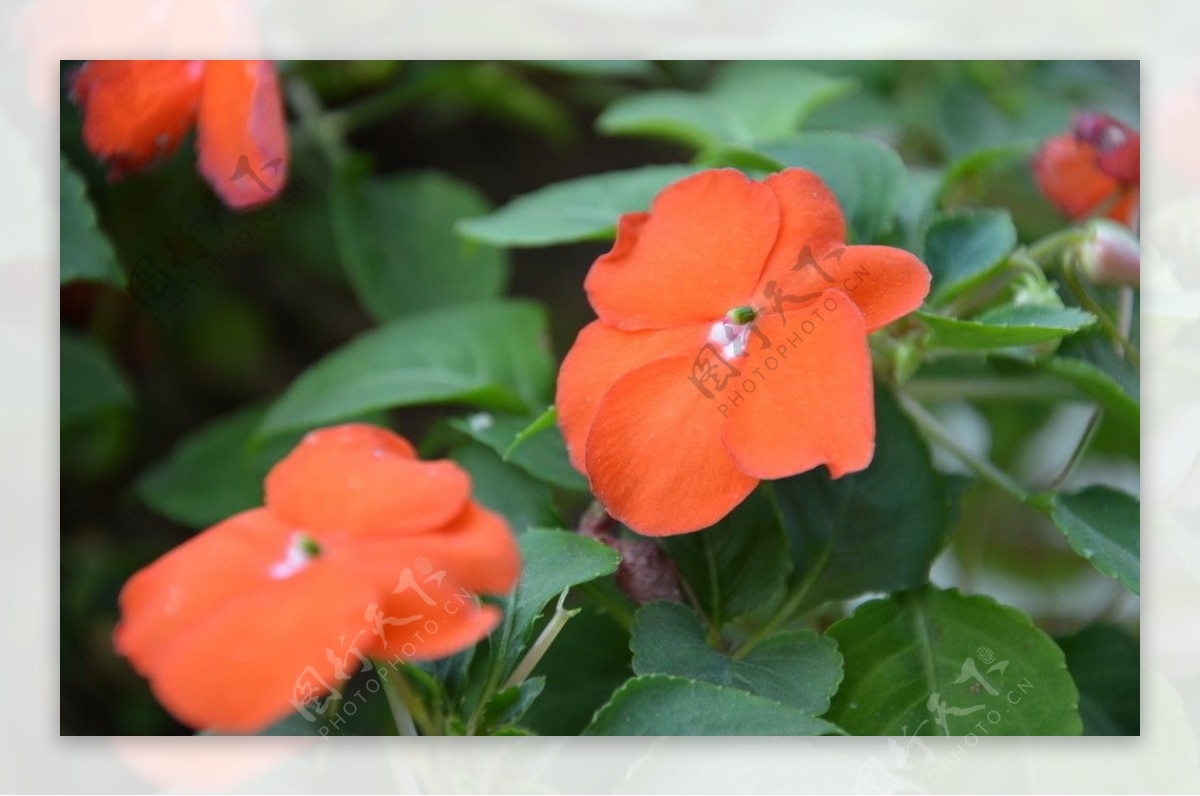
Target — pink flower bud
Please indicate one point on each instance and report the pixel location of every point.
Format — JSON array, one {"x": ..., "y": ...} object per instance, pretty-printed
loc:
[{"x": 1111, "y": 256}]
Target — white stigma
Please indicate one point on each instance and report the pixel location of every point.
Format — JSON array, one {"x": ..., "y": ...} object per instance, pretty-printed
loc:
[
  {"x": 730, "y": 336},
  {"x": 295, "y": 560}
]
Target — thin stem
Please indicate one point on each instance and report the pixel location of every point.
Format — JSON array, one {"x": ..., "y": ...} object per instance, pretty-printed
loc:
[
  {"x": 1085, "y": 439},
  {"x": 787, "y": 610},
  {"x": 939, "y": 434},
  {"x": 539, "y": 648},
  {"x": 1090, "y": 304},
  {"x": 1052, "y": 245},
  {"x": 376, "y": 108},
  {"x": 405, "y": 704},
  {"x": 316, "y": 122}
]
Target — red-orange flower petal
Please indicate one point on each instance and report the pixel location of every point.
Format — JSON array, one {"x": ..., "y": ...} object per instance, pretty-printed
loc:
[
  {"x": 358, "y": 480},
  {"x": 655, "y": 457},
  {"x": 226, "y": 624},
  {"x": 699, "y": 252},
  {"x": 135, "y": 113},
  {"x": 812, "y": 397},
  {"x": 242, "y": 137},
  {"x": 601, "y": 355},
  {"x": 1068, "y": 173}
]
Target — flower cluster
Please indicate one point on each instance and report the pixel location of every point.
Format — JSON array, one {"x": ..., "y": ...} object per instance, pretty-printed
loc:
[
  {"x": 362, "y": 550},
  {"x": 1093, "y": 170}
]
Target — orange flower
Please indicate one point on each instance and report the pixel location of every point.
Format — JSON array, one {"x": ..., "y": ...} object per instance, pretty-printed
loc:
[
  {"x": 136, "y": 113},
  {"x": 361, "y": 551},
  {"x": 731, "y": 347},
  {"x": 1096, "y": 168}
]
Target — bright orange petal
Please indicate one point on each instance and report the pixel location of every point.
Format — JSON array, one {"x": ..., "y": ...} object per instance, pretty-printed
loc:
[
  {"x": 886, "y": 283},
  {"x": 478, "y": 550},
  {"x": 429, "y": 615},
  {"x": 698, "y": 254},
  {"x": 135, "y": 113},
  {"x": 242, "y": 138},
  {"x": 601, "y": 355},
  {"x": 355, "y": 480},
  {"x": 239, "y": 668},
  {"x": 811, "y": 399},
  {"x": 655, "y": 457},
  {"x": 1125, "y": 211},
  {"x": 1069, "y": 175},
  {"x": 188, "y": 583},
  {"x": 809, "y": 217}
]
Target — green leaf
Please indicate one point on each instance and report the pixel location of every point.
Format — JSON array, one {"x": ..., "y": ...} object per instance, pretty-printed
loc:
[
  {"x": 84, "y": 251},
  {"x": 506, "y": 489},
  {"x": 509, "y": 705},
  {"x": 965, "y": 174},
  {"x": 796, "y": 668},
  {"x": 395, "y": 236},
  {"x": 1105, "y": 663},
  {"x": 215, "y": 472},
  {"x": 576, "y": 210},
  {"x": 551, "y": 562},
  {"x": 738, "y": 565},
  {"x": 867, "y": 177},
  {"x": 936, "y": 662},
  {"x": 1007, "y": 326},
  {"x": 1095, "y": 370},
  {"x": 90, "y": 382},
  {"x": 493, "y": 355},
  {"x": 543, "y": 455},
  {"x": 749, "y": 102},
  {"x": 877, "y": 530},
  {"x": 966, "y": 248},
  {"x": 660, "y": 705},
  {"x": 1104, "y": 526}
]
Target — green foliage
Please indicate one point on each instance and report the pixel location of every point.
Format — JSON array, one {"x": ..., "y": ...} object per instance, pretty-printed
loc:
[
  {"x": 586, "y": 208},
  {"x": 796, "y": 668},
  {"x": 396, "y": 237},
  {"x": 867, "y": 177},
  {"x": 491, "y": 355},
  {"x": 935, "y": 662},
  {"x": 1104, "y": 662},
  {"x": 737, "y": 566},
  {"x": 661, "y": 705},
  {"x": 90, "y": 383},
  {"x": 1102, "y": 525},
  {"x": 748, "y": 103},
  {"x": 506, "y": 489},
  {"x": 84, "y": 251},
  {"x": 869, "y": 531},
  {"x": 542, "y": 453},
  {"x": 966, "y": 248},
  {"x": 1007, "y": 326}
]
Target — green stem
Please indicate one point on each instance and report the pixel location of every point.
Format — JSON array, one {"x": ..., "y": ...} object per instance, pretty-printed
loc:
[
  {"x": 405, "y": 704},
  {"x": 1085, "y": 439},
  {"x": 376, "y": 108},
  {"x": 619, "y": 613},
  {"x": 1053, "y": 245},
  {"x": 939, "y": 434},
  {"x": 540, "y": 646},
  {"x": 787, "y": 610},
  {"x": 1091, "y": 305},
  {"x": 315, "y": 123}
]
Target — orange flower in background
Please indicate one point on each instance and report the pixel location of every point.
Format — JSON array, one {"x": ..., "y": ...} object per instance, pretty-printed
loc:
[
  {"x": 362, "y": 550},
  {"x": 1096, "y": 168},
  {"x": 136, "y": 113},
  {"x": 731, "y": 346}
]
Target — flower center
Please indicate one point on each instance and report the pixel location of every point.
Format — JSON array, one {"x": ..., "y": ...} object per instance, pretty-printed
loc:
[
  {"x": 301, "y": 549},
  {"x": 731, "y": 332}
]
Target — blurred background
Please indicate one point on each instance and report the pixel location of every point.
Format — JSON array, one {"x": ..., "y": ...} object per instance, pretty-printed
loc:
[{"x": 464, "y": 137}]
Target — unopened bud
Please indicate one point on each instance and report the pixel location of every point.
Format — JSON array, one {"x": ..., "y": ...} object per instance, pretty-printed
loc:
[
  {"x": 1118, "y": 146},
  {"x": 1111, "y": 255},
  {"x": 646, "y": 572}
]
